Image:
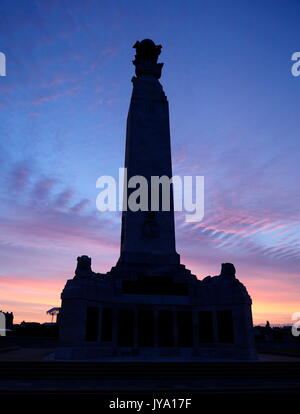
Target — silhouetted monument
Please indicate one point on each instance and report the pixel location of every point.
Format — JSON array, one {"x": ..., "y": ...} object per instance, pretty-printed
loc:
[{"x": 149, "y": 305}]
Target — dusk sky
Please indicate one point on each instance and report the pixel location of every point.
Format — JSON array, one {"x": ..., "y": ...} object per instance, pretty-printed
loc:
[{"x": 234, "y": 113}]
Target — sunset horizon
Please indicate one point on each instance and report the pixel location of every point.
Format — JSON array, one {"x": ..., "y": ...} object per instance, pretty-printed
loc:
[{"x": 63, "y": 109}]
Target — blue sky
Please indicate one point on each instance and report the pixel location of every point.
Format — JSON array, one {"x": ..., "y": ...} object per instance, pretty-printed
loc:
[{"x": 234, "y": 112}]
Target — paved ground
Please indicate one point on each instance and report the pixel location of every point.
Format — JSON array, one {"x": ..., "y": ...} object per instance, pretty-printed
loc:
[
  {"x": 26, "y": 377},
  {"x": 285, "y": 358},
  {"x": 39, "y": 354},
  {"x": 25, "y": 354}
]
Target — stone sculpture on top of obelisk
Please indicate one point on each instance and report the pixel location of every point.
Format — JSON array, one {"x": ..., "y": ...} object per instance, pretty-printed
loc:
[{"x": 148, "y": 236}]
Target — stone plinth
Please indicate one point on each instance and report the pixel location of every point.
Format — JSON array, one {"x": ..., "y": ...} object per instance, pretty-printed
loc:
[{"x": 187, "y": 318}]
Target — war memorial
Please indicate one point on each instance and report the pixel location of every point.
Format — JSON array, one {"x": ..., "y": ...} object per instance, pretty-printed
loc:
[{"x": 149, "y": 306}]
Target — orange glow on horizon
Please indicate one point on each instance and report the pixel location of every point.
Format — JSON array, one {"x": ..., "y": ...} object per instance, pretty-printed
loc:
[{"x": 29, "y": 300}]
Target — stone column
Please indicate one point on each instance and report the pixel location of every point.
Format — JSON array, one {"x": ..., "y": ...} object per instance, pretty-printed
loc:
[
  {"x": 215, "y": 325},
  {"x": 135, "y": 329},
  {"x": 195, "y": 329},
  {"x": 175, "y": 328},
  {"x": 114, "y": 330},
  {"x": 155, "y": 328},
  {"x": 100, "y": 325}
]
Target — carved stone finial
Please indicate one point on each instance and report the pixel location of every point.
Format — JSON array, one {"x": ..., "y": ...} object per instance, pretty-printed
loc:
[
  {"x": 228, "y": 270},
  {"x": 145, "y": 61},
  {"x": 147, "y": 50},
  {"x": 83, "y": 269}
]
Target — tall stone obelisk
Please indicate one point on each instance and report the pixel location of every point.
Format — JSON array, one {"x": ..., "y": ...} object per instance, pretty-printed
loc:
[
  {"x": 149, "y": 305},
  {"x": 148, "y": 236}
]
